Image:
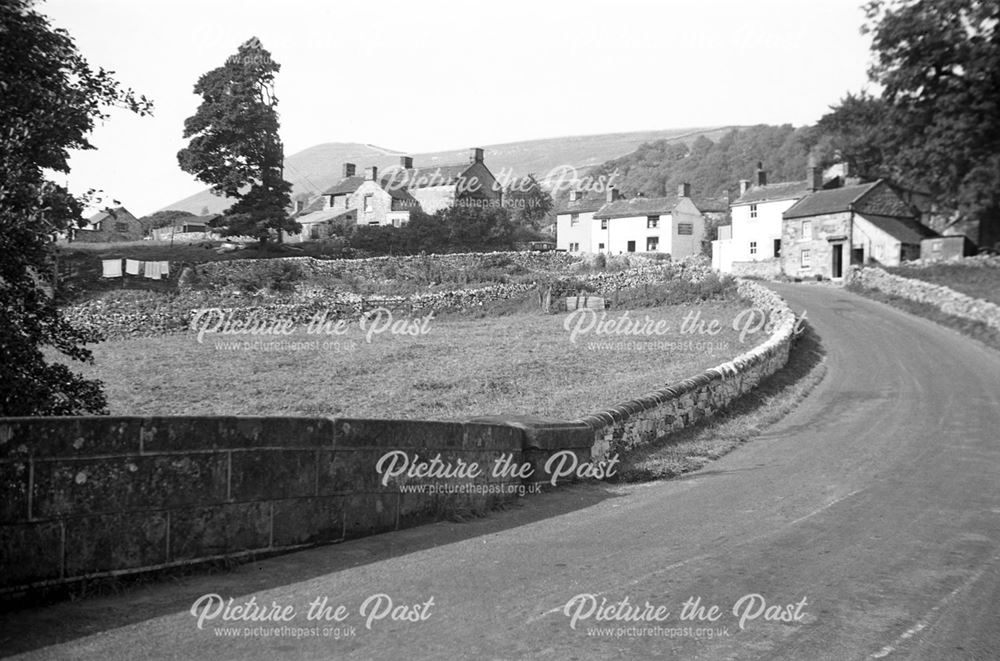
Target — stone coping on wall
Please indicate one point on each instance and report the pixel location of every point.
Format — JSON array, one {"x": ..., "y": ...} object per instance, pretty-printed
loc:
[{"x": 677, "y": 405}]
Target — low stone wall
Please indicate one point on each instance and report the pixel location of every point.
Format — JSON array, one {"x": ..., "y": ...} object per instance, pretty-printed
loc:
[
  {"x": 945, "y": 299},
  {"x": 766, "y": 269},
  {"x": 656, "y": 414},
  {"x": 96, "y": 496}
]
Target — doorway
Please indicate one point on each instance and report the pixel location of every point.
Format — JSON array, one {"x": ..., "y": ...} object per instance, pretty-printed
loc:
[{"x": 838, "y": 261}]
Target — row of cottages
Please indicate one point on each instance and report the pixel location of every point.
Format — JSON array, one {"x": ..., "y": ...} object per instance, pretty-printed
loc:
[
  {"x": 390, "y": 198},
  {"x": 609, "y": 224},
  {"x": 817, "y": 226}
]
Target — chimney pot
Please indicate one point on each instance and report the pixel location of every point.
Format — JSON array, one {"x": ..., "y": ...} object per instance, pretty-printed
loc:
[
  {"x": 684, "y": 190},
  {"x": 406, "y": 162},
  {"x": 371, "y": 174},
  {"x": 348, "y": 169},
  {"x": 476, "y": 155},
  {"x": 744, "y": 186}
]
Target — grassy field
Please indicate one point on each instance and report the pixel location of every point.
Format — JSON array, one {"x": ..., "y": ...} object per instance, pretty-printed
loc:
[
  {"x": 976, "y": 281},
  {"x": 518, "y": 364}
]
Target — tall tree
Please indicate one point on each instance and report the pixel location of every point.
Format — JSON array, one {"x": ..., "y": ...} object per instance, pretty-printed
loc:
[
  {"x": 235, "y": 145},
  {"x": 938, "y": 63},
  {"x": 51, "y": 100}
]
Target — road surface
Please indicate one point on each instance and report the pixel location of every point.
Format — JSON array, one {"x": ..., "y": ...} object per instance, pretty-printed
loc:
[{"x": 868, "y": 520}]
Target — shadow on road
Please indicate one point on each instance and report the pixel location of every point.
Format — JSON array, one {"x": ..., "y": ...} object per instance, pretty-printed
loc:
[{"x": 146, "y": 598}]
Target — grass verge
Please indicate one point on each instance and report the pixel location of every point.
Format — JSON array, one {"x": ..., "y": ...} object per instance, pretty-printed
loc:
[
  {"x": 692, "y": 448},
  {"x": 974, "y": 329}
]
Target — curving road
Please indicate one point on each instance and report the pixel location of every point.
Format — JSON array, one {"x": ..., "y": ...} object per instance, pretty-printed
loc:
[{"x": 877, "y": 501}]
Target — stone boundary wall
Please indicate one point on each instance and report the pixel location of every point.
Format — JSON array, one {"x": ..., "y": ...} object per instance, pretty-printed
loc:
[
  {"x": 767, "y": 269},
  {"x": 676, "y": 406},
  {"x": 87, "y": 497},
  {"x": 943, "y": 298}
]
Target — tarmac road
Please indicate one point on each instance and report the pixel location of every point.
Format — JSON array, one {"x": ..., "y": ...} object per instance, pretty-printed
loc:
[{"x": 869, "y": 517}]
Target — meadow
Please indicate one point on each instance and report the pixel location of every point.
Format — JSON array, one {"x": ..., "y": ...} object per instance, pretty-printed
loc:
[{"x": 524, "y": 363}]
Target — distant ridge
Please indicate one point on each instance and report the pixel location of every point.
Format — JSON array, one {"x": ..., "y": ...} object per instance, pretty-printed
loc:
[{"x": 317, "y": 168}]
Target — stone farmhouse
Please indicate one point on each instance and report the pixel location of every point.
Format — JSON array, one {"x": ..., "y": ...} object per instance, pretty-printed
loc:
[
  {"x": 389, "y": 198},
  {"x": 110, "y": 225},
  {"x": 673, "y": 224},
  {"x": 870, "y": 220}
]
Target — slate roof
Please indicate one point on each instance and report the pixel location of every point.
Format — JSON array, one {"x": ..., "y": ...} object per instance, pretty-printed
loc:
[
  {"x": 345, "y": 185},
  {"x": 325, "y": 215},
  {"x": 786, "y": 190},
  {"x": 584, "y": 205},
  {"x": 637, "y": 206},
  {"x": 834, "y": 200},
  {"x": 441, "y": 175},
  {"x": 907, "y": 230}
]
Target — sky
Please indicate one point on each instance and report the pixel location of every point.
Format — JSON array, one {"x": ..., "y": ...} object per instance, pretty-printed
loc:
[{"x": 438, "y": 75}]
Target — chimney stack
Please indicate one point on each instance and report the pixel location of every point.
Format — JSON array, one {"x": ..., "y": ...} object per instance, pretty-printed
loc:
[
  {"x": 371, "y": 174},
  {"x": 574, "y": 195},
  {"x": 744, "y": 186},
  {"x": 761, "y": 174},
  {"x": 814, "y": 175},
  {"x": 612, "y": 195},
  {"x": 406, "y": 162},
  {"x": 348, "y": 170},
  {"x": 299, "y": 204},
  {"x": 684, "y": 190},
  {"x": 476, "y": 155}
]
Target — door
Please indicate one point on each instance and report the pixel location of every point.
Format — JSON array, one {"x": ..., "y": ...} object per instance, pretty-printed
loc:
[
  {"x": 631, "y": 246},
  {"x": 838, "y": 261}
]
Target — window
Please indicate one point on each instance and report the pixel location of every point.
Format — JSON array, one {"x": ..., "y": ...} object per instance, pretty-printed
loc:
[
  {"x": 652, "y": 222},
  {"x": 652, "y": 244},
  {"x": 314, "y": 231},
  {"x": 574, "y": 247},
  {"x": 574, "y": 219},
  {"x": 121, "y": 227},
  {"x": 777, "y": 247},
  {"x": 753, "y": 210},
  {"x": 604, "y": 223},
  {"x": 368, "y": 203},
  {"x": 753, "y": 247},
  {"x": 600, "y": 246},
  {"x": 631, "y": 246},
  {"x": 807, "y": 230},
  {"x": 685, "y": 229},
  {"x": 804, "y": 259}
]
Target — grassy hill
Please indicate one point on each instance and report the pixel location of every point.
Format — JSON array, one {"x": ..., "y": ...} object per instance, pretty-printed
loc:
[{"x": 317, "y": 168}]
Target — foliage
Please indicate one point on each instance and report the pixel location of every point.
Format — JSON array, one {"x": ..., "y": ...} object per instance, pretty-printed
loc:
[
  {"x": 51, "y": 101},
  {"x": 527, "y": 202},
  {"x": 457, "y": 228},
  {"x": 235, "y": 145},
  {"x": 711, "y": 167},
  {"x": 935, "y": 128}
]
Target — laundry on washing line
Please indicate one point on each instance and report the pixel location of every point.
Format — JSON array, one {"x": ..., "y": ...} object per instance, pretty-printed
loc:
[
  {"x": 156, "y": 270},
  {"x": 112, "y": 268},
  {"x": 133, "y": 266}
]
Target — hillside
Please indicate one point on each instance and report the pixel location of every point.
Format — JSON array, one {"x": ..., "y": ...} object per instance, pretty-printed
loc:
[
  {"x": 317, "y": 168},
  {"x": 714, "y": 164}
]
